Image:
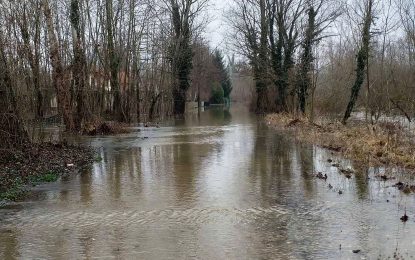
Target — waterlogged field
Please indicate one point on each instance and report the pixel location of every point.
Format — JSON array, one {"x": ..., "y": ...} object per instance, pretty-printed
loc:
[{"x": 219, "y": 186}]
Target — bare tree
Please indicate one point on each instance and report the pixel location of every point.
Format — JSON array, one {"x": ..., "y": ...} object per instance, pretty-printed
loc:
[
  {"x": 12, "y": 131},
  {"x": 320, "y": 14},
  {"x": 287, "y": 17},
  {"x": 250, "y": 23},
  {"x": 59, "y": 74},
  {"x": 32, "y": 53},
  {"x": 79, "y": 66},
  {"x": 183, "y": 20}
]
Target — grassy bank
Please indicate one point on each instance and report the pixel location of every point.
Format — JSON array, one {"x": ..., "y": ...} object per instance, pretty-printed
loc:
[
  {"x": 382, "y": 144},
  {"x": 32, "y": 164}
]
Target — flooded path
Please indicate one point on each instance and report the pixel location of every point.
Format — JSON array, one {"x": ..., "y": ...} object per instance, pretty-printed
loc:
[{"x": 219, "y": 186}]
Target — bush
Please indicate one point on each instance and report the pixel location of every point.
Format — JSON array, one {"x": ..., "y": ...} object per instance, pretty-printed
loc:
[{"x": 217, "y": 96}]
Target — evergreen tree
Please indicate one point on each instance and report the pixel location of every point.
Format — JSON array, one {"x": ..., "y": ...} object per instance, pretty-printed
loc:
[{"x": 224, "y": 77}]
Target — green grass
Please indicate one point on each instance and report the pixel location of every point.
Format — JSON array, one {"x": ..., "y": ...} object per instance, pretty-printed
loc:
[
  {"x": 17, "y": 189},
  {"x": 49, "y": 176},
  {"x": 15, "y": 192},
  {"x": 98, "y": 158}
]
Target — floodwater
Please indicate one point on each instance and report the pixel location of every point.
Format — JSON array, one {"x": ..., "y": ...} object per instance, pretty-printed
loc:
[{"x": 221, "y": 185}]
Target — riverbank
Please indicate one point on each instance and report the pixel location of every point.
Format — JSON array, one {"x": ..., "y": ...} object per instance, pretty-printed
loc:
[
  {"x": 32, "y": 164},
  {"x": 384, "y": 144}
]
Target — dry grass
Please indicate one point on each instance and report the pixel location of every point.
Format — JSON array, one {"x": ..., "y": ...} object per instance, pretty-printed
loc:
[{"x": 382, "y": 144}]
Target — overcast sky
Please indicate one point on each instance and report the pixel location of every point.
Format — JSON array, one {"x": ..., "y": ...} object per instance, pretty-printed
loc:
[{"x": 216, "y": 29}]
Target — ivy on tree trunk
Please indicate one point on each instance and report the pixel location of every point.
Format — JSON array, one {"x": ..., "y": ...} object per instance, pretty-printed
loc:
[
  {"x": 304, "y": 82},
  {"x": 181, "y": 55},
  {"x": 362, "y": 58}
]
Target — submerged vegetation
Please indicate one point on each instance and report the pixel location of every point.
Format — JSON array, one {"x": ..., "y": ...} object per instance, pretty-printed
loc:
[{"x": 382, "y": 144}]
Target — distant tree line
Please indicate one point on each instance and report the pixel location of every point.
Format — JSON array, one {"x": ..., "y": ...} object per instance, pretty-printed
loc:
[{"x": 333, "y": 56}]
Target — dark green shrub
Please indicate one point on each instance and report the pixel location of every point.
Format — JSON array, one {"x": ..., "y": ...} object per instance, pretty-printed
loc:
[{"x": 217, "y": 96}]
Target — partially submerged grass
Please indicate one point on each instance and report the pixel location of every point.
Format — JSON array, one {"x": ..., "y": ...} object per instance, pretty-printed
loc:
[
  {"x": 381, "y": 144},
  {"x": 32, "y": 164},
  {"x": 18, "y": 187},
  {"x": 49, "y": 176}
]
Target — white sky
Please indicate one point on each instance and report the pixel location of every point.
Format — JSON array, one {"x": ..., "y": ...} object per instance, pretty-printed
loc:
[{"x": 216, "y": 30}]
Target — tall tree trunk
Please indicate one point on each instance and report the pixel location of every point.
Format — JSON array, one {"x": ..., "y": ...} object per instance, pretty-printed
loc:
[
  {"x": 12, "y": 131},
  {"x": 304, "y": 81},
  {"x": 60, "y": 77},
  {"x": 182, "y": 55},
  {"x": 113, "y": 62},
  {"x": 281, "y": 101},
  {"x": 136, "y": 73},
  {"x": 79, "y": 66},
  {"x": 33, "y": 58},
  {"x": 362, "y": 58},
  {"x": 261, "y": 81}
]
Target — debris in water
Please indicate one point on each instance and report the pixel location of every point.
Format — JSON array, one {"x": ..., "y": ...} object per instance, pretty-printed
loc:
[
  {"x": 399, "y": 185},
  {"x": 347, "y": 171},
  {"x": 405, "y": 217},
  {"x": 357, "y": 251},
  {"x": 321, "y": 176},
  {"x": 330, "y": 186},
  {"x": 385, "y": 178},
  {"x": 405, "y": 188}
]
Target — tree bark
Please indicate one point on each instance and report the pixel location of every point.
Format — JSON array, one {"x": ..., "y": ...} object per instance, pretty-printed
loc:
[
  {"x": 33, "y": 58},
  {"x": 181, "y": 54},
  {"x": 362, "y": 58},
  {"x": 12, "y": 131},
  {"x": 261, "y": 81},
  {"x": 59, "y": 76},
  {"x": 79, "y": 66},
  {"x": 113, "y": 62},
  {"x": 304, "y": 82}
]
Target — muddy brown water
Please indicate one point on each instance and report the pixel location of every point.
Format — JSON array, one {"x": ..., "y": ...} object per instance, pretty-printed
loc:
[{"x": 221, "y": 185}]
